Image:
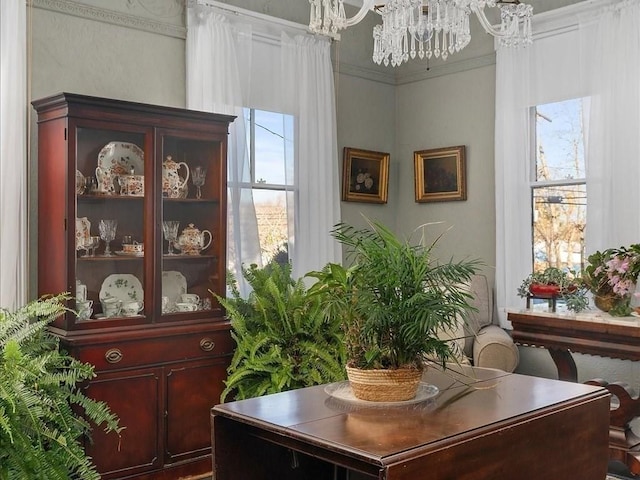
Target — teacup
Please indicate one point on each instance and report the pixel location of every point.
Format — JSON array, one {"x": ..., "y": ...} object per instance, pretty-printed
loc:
[
  {"x": 132, "y": 185},
  {"x": 134, "y": 247},
  {"x": 129, "y": 309},
  {"x": 84, "y": 309},
  {"x": 190, "y": 298},
  {"x": 186, "y": 307},
  {"x": 85, "y": 314},
  {"x": 111, "y": 306}
]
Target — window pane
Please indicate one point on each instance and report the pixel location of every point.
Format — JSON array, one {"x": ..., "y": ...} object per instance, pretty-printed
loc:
[
  {"x": 559, "y": 141},
  {"x": 559, "y": 219},
  {"x": 271, "y": 213},
  {"x": 273, "y": 148}
]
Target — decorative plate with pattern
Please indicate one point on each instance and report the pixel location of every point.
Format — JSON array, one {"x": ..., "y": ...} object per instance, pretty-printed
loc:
[
  {"x": 122, "y": 158},
  {"x": 123, "y": 286},
  {"x": 173, "y": 285}
]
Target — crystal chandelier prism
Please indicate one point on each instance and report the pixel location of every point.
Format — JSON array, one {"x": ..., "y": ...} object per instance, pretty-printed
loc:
[{"x": 425, "y": 28}]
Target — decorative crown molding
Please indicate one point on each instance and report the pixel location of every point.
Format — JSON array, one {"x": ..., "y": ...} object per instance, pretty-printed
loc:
[{"x": 69, "y": 7}]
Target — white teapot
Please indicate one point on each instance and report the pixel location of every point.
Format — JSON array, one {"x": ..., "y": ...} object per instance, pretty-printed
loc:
[
  {"x": 192, "y": 240},
  {"x": 173, "y": 185}
]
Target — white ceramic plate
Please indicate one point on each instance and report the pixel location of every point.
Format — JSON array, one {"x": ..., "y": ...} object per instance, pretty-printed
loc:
[
  {"x": 342, "y": 391},
  {"x": 123, "y": 286},
  {"x": 121, "y": 158},
  {"x": 173, "y": 285}
]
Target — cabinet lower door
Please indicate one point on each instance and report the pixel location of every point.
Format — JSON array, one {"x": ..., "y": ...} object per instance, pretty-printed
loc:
[
  {"x": 135, "y": 396},
  {"x": 192, "y": 390}
]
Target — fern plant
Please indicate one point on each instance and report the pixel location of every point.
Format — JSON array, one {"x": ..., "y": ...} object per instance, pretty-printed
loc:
[
  {"x": 283, "y": 341},
  {"x": 41, "y": 428}
]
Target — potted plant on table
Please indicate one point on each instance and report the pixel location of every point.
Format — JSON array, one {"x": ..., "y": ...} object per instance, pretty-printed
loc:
[
  {"x": 393, "y": 301},
  {"x": 41, "y": 430},
  {"x": 611, "y": 276},
  {"x": 554, "y": 283}
]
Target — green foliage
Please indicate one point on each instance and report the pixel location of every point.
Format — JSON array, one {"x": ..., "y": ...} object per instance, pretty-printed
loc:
[
  {"x": 40, "y": 432},
  {"x": 394, "y": 298},
  {"x": 283, "y": 340},
  {"x": 570, "y": 285}
]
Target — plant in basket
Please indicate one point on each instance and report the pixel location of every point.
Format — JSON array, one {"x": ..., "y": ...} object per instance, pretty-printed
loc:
[
  {"x": 392, "y": 301},
  {"x": 611, "y": 276},
  {"x": 553, "y": 282}
]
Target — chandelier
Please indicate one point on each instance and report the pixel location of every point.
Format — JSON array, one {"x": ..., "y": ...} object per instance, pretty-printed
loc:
[{"x": 425, "y": 28}]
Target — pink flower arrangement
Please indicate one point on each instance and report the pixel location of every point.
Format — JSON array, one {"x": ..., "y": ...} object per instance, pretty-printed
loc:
[{"x": 614, "y": 272}]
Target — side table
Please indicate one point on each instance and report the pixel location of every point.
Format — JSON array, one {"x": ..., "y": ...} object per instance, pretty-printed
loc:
[{"x": 594, "y": 333}]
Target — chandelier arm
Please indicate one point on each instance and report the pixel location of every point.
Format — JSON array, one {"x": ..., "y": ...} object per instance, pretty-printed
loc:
[
  {"x": 490, "y": 29},
  {"x": 358, "y": 17}
]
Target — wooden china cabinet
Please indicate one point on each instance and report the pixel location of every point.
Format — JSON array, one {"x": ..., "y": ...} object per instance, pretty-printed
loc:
[{"x": 160, "y": 369}]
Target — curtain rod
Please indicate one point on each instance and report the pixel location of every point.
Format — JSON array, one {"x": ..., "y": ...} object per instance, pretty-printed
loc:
[{"x": 259, "y": 16}]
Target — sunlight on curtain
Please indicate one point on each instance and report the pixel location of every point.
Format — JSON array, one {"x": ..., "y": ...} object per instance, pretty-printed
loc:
[
  {"x": 307, "y": 84},
  {"x": 232, "y": 65},
  {"x": 13, "y": 153},
  {"x": 218, "y": 73},
  {"x": 611, "y": 60},
  {"x": 513, "y": 227}
]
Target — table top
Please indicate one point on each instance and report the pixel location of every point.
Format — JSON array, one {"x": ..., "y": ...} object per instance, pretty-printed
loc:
[
  {"x": 470, "y": 403},
  {"x": 594, "y": 333}
]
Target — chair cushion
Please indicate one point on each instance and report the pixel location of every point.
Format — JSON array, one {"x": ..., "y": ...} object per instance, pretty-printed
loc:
[{"x": 494, "y": 348}]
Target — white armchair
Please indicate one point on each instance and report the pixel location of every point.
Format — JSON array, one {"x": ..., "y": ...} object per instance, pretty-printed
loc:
[{"x": 479, "y": 341}]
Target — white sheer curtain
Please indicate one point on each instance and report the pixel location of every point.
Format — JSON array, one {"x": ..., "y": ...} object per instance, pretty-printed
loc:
[
  {"x": 286, "y": 74},
  {"x": 218, "y": 70},
  {"x": 13, "y": 153},
  {"x": 512, "y": 153},
  {"x": 611, "y": 60},
  {"x": 308, "y": 93}
]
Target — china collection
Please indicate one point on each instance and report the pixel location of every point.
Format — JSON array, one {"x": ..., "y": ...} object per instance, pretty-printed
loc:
[
  {"x": 122, "y": 295},
  {"x": 120, "y": 171}
]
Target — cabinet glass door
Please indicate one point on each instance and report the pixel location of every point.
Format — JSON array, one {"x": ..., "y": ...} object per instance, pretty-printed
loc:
[
  {"x": 190, "y": 241},
  {"x": 109, "y": 225}
]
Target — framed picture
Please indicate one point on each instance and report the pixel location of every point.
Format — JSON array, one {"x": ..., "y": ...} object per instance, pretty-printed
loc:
[
  {"x": 366, "y": 176},
  {"x": 440, "y": 174}
]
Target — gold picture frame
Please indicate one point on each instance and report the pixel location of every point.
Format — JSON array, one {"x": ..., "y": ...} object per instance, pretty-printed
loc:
[
  {"x": 440, "y": 174},
  {"x": 365, "y": 176}
]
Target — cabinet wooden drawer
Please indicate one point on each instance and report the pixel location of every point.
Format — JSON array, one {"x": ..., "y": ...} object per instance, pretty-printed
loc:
[{"x": 155, "y": 351}]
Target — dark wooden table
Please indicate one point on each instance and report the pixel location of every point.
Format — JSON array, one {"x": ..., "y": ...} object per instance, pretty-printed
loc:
[
  {"x": 593, "y": 333},
  {"x": 484, "y": 424}
]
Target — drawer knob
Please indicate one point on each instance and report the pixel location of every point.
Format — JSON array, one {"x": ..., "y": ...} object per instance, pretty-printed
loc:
[
  {"x": 113, "y": 355},
  {"x": 207, "y": 345}
]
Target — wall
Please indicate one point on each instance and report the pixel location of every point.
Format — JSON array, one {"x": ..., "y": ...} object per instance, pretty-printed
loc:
[{"x": 134, "y": 50}]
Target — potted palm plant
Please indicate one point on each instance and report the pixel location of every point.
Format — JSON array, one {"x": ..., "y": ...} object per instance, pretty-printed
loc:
[{"x": 393, "y": 300}]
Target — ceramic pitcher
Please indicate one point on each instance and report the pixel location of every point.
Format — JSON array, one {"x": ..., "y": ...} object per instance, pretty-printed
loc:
[
  {"x": 105, "y": 179},
  {"x": 172, "y": 183}
]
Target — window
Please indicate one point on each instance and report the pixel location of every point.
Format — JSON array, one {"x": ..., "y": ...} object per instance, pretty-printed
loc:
[
  {"x": 559, "y": 190},
  {"x": 270, "y": 140}
]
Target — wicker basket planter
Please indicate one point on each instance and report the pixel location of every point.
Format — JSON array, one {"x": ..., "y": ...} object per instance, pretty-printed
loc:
[{"x": 392, "y": 385}]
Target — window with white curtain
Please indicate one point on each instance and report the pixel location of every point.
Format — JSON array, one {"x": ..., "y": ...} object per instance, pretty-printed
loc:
[
  {"x": 270, "y": 137},
  {"x": 582, "y": 50}
]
